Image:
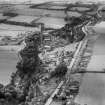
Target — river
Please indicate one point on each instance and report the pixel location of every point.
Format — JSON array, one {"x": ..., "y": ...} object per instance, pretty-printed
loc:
[{"x": 92, "y": 89}]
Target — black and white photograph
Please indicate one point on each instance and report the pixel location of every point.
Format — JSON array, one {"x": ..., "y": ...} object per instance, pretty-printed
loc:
[{"x": 52, "y": 52}]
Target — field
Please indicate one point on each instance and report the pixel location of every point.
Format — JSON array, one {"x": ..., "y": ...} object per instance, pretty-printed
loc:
[
  {"x": 8, "y": 62},
  {"x": 20, "y": 18}
]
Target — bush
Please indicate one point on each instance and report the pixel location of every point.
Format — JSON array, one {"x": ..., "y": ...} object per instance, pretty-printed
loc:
[
  {"x": 10, "y": 14},
  {"x": 60, "y": 71}
]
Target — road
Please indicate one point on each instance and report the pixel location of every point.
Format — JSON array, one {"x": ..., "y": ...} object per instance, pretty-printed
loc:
[{"x": 92, "y": 89}]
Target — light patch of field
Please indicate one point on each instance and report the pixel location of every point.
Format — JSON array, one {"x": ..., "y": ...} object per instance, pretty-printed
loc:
[
  {"x": 98, "y": 59},
  {"x": 92, "y": 89},
  {"x": 16, "y": 28},
  {"x": 20, "y": 18},
  {"x": 73, "y": 14},
  {"x": 57, "y": 7},
  {"x": 80, "y": 8},
  {"x": 8, "y": 62},
  {"x": 11, "y": 48},
  {"x": 28, "y": 11},
  {"x": 100, "y": 28},
  {"x": 97, "y": 63},
  {"x": 38, "y": 12},
  {"x": 52, "y": 22},
  {"x": 3, "y": 17},
  {"x": 11, "y": 33},
  {"x": 21, "y": 6}
]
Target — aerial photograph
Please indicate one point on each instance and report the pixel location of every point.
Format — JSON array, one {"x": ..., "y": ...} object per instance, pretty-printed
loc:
[{"x": 52, "y": 52}]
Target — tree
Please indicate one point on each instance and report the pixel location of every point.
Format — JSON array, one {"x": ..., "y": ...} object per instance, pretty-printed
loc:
[
  {"x": 59, "y": 71},
  {"x": 29, "y": 55}
]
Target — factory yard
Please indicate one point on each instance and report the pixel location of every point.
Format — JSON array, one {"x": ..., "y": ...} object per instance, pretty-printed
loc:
[{"x": 21, "y": 18}]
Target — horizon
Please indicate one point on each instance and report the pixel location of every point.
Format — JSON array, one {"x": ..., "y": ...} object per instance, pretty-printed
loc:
[{"x": 41, "y": 1}]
